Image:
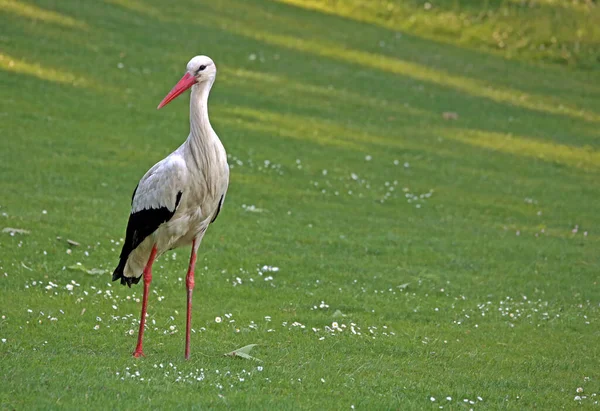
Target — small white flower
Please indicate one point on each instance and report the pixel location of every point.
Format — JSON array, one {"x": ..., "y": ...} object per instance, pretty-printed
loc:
[
  {"x": 432, "y": 399},
  {"x": 97, "y": 327},
  {"x": 322, "y": 379},
  {"x": 259, "y": 368},
  {"x": 218, "y": 319},
  {"x": 4, "y": 340},
  {"x": 579, "y": 389},
  {"x": 69, "y": 287}
]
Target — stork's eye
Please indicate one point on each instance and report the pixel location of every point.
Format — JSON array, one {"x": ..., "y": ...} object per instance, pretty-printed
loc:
[{"x": 202, "y": 67}]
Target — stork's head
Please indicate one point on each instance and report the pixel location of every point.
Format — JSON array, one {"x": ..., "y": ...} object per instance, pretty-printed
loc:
[{"x": 200, "y": 69}]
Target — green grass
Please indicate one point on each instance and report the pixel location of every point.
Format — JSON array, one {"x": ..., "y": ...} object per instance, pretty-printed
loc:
[
  {"x": 559, "y": 31},
  {"x": 450, "y": 244}
]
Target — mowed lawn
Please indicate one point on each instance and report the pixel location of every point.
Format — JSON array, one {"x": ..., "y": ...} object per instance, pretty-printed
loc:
[{"x": 411, "y": 223}]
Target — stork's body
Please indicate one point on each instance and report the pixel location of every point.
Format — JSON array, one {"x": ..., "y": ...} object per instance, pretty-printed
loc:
[{"x": 177, "y": 199}]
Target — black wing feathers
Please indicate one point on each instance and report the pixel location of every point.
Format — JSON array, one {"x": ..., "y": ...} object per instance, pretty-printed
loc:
[
  {"x": 134, "y": 191},
  {"x": 218, "y": 209},
  {"x": 141, "y": 224}
]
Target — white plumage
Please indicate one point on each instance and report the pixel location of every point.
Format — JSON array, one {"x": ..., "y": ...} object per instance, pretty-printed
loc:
[
  {"x": 177, "y": 199},
  {"x": 199, "y": 203}
]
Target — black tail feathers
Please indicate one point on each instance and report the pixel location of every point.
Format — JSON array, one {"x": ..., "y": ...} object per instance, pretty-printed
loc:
[{"x": 118, "y": 273}]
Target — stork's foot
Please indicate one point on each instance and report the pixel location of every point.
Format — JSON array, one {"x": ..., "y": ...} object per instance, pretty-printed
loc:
[{"x": 138, "y": 354}]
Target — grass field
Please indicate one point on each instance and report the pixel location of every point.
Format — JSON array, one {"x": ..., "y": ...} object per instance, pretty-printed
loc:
[{"x": 412, "y": 220}]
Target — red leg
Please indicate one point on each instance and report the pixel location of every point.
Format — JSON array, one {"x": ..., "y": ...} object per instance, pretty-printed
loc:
[
  {"x": 147, "y": 280},
  {"x": 189, "y": 282}
]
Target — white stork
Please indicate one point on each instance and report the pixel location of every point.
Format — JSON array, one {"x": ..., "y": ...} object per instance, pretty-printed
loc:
[{"x": 177, "y": 199}]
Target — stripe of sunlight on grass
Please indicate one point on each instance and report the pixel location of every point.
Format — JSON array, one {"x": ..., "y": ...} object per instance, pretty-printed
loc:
[
  {"x": 280, "y": 125},
  {"x": 138, "y": 7},
  {"x": 256, "y": 80},
  {"x": 37, "y": 13},
  {"x": 308, "y": 128},
  {"x": 419, "y": 72},
  {"x": 586, "y": 159},
  {"x": 12, "y": 64}
]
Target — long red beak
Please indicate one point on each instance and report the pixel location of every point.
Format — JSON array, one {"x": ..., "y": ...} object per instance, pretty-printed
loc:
[{"x": 182, "y": 85}]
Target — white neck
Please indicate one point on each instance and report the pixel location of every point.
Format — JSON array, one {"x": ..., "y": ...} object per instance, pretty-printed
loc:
[
  {"x": 202, "y": 134},
  {"x": 199, "y": 123}
]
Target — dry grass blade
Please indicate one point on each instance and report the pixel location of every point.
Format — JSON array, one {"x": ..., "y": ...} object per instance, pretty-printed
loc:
[{"x": 243, "y": 352}]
